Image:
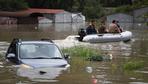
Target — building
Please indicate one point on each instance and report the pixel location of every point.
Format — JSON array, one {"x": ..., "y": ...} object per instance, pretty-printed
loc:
[
  {"x": 125, "y": 20},
  {"x": 44, "y": 20},
  {"x": 121, "y": 17},
  {"x": 7, "y": 20},
  {"x": 31, "y": 16},
  {"x": 63, "y": 17},
  {"x": 138, "y": 15},
  {"x": 78, "y": 17},
  {"x": 135, "y": 16}
]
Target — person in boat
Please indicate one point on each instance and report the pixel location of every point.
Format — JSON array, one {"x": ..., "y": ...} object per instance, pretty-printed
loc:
[
  {"x": 114, "y": 28},
  {"x": 102, "y": 28},
  {"x": 119, "y": 26},
  {"x": 91, "y": 28},
  {"x": 81, "y": 33}
]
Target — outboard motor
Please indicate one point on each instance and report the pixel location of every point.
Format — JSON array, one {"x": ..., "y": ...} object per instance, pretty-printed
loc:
[{"x": 81, "y": 33}]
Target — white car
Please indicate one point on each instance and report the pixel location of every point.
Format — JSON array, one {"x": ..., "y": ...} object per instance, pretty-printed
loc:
[
  {"x": 36, "y": 54},
  {"x": 37, "y": 60}
]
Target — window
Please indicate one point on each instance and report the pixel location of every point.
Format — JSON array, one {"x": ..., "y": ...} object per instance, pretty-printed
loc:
[{"x": 44, "y": 51}]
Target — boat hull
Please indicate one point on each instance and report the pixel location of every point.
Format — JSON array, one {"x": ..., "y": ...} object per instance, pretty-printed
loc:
[{"x": 108, "y": 37}]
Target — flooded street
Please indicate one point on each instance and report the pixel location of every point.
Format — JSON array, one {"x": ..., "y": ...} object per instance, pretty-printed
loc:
[{"x": 80, "y": 71}]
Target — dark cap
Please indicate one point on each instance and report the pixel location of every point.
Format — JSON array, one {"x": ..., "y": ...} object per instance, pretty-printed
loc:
[{"x": 113, "y": 21}]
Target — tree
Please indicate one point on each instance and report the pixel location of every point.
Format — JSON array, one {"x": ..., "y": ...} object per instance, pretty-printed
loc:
[
  {"x": 52, "y": 4},
  {"x": 115, "y": 3},
  {"x": 90, "y": 8},
  {"x": 93, "y": 9},
  {"x": 13, "y": 5}
]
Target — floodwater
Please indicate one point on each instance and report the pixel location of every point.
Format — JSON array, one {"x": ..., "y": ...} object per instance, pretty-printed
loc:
[{"x": 80, "y": 71}]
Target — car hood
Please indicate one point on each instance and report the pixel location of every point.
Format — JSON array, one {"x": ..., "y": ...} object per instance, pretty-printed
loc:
[{"x": 37, "y": 63}]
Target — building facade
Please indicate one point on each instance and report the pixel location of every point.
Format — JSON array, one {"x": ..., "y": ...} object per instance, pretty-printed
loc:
[{"x": 31, "y": 16}]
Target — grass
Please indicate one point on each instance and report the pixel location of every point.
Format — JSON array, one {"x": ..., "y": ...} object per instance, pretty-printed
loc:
[
  {"x": 133, "y": 65},
  {"x": 84, "y": 52}
]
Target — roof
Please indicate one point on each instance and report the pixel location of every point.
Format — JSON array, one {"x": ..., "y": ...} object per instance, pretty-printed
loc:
[
  {"x": 35, "y": 42},
  {"x": 30, "y": 11}
]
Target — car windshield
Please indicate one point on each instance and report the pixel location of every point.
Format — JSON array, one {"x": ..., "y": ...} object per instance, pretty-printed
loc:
[{"x": 39, "y": 51}]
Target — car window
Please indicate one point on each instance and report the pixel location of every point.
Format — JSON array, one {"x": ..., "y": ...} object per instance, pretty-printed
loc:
[{"x": 44, "y": 51}]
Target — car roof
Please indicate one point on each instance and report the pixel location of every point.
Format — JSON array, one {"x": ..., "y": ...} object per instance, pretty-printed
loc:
[{"x": 35, "y": 42}]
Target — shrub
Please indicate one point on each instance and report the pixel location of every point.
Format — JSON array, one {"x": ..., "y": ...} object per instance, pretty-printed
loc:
[
  {"x": 133, "y": 65},
  {"x": 84, "y": 52}
]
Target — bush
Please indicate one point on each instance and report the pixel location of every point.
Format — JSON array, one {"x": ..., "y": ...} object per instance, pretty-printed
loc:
[
  {"x": 133, "y": 65},
  {"x": 95, "y": 58},
  {"x": 84, "y": 52}
]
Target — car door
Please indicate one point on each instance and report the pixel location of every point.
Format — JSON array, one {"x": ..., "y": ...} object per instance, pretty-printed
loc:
[{"x": 13, "y": 50}]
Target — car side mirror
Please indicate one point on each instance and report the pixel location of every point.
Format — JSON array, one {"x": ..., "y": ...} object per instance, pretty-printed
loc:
[
  {"x": 66, "y": 56},
  {"x": 10, "y": 55}
]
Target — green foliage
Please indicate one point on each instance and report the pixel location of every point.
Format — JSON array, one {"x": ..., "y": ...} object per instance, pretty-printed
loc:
[
  {"x": 124, "y": 8},
  {"x": 133, "y": 65},
  {"x": 135, "y": 5},
  {"x": 145, "y": 15},
  {"x": 142, "y": 3},
  {"x": 93, "y": 9},
  {"x": 83, "y": 52},
  {"x": 95, "y": 58},
  {"x": 115, "y": 3},
  {"x": 147, "y": 23},
  {"x": 13, "y": 5},
  {"x": 118, "y": 3}
]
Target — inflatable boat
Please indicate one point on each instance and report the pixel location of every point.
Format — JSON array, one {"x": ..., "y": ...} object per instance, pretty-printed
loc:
[{"x": 108, "y": 37}]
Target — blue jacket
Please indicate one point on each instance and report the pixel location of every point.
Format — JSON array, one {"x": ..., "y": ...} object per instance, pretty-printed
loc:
[{"x": 91, "y": 30}]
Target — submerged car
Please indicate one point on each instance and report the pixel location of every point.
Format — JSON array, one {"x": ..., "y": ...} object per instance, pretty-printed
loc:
[{"x": 36, "y": 54}]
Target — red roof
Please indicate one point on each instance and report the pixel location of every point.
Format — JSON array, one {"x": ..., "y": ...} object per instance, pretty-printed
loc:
[{"x": 29, "y": 11}]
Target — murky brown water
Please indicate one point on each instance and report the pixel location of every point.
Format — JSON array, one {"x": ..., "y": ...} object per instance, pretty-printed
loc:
[{"x": 80, "y": 72}]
